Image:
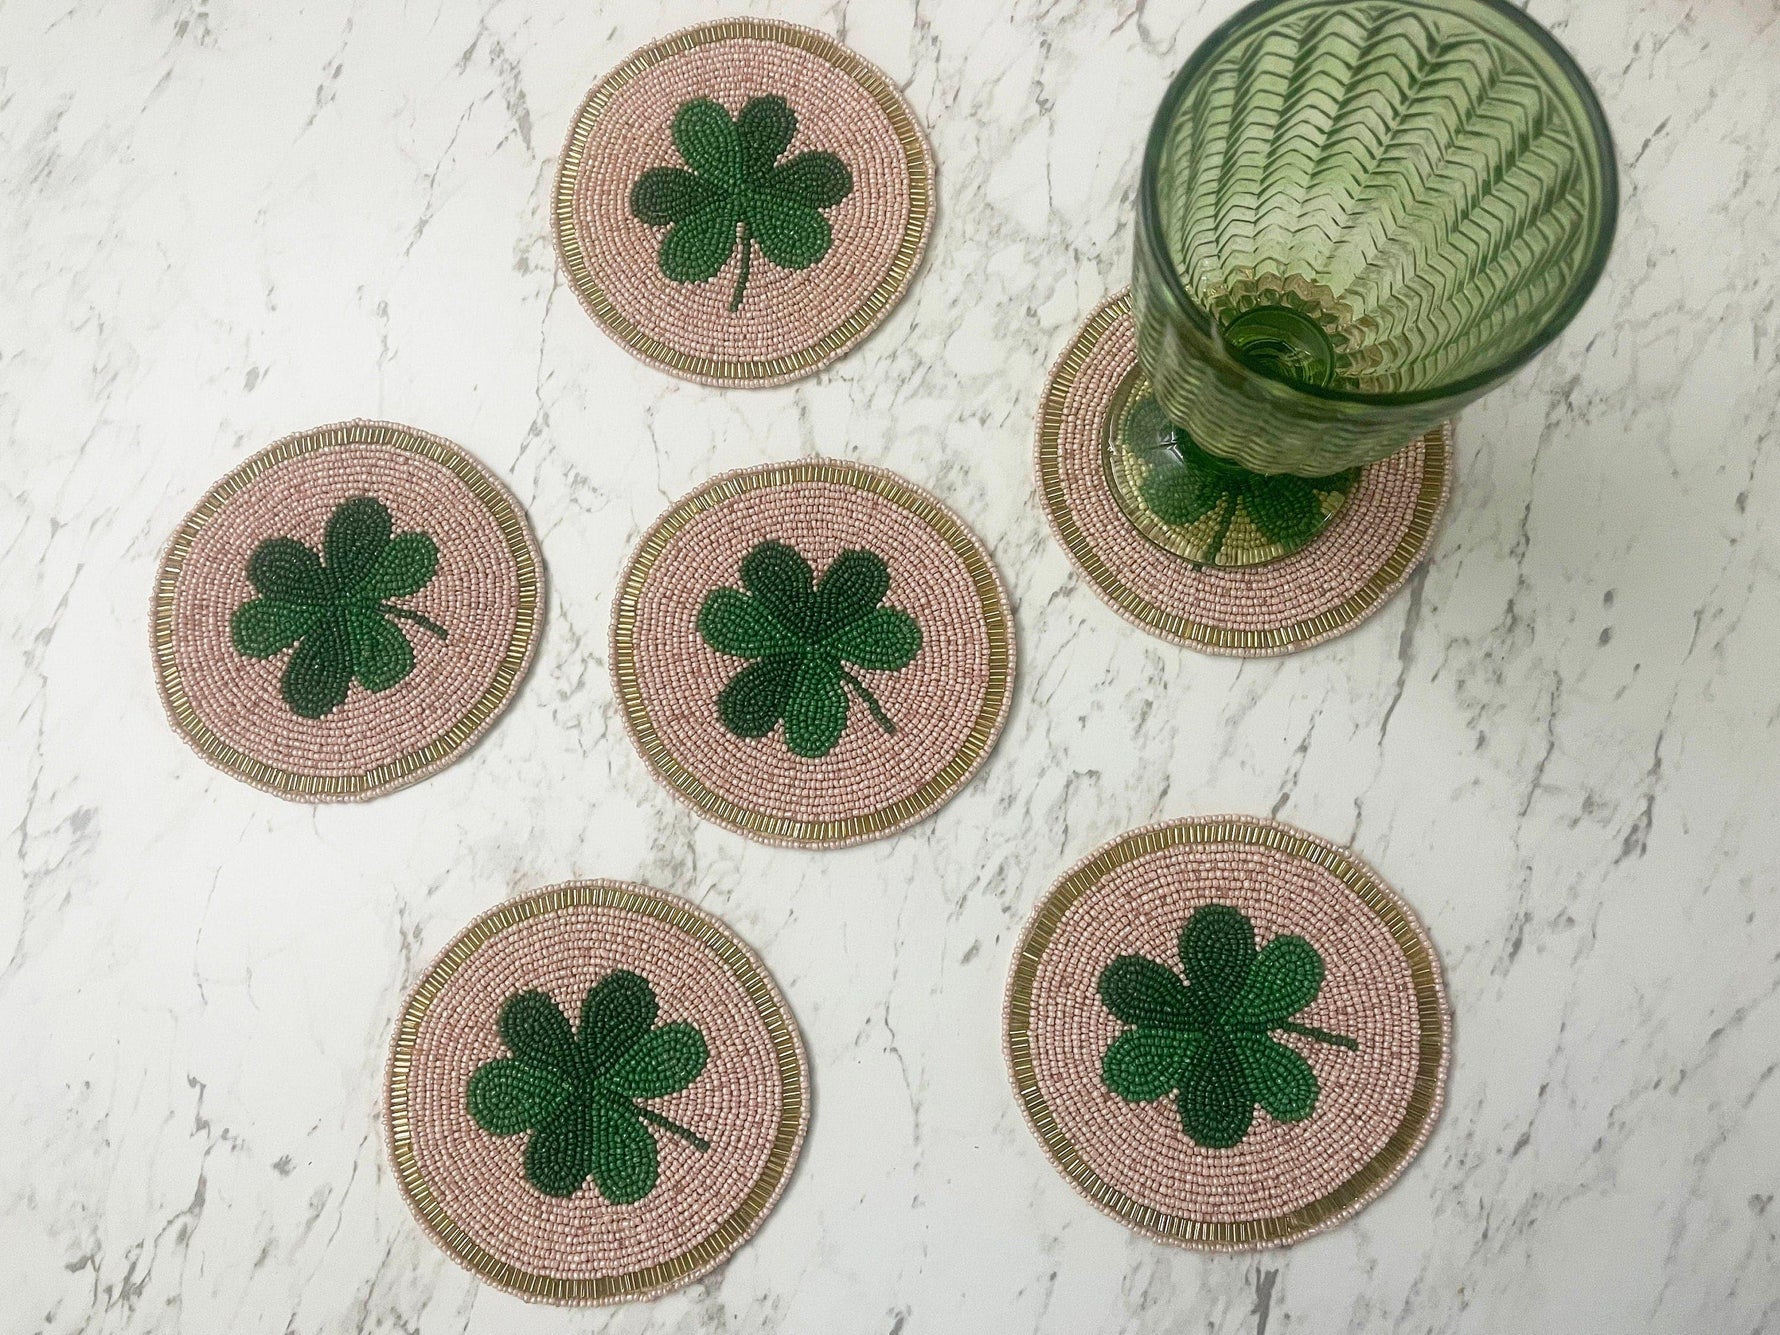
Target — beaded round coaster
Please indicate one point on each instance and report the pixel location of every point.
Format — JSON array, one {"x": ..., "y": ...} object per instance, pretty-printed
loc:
[
  {"x": 1226, "y": 1033},
  {"x": 595, "y": 1094},
  {"x": 345, "y": 612},
  {"x": 741, "y": 202},
  {"x": 1255, "y": 603},
  {"x": 812, "y": 653}
]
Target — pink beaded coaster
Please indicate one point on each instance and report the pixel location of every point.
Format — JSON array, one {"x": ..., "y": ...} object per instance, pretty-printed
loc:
[
  {"x": 1265, "y": 606},
  {"x": 595, "y": 1094},
  {"x": 346, "y": 612},
  {"x": 1226, "y": 1033},
  {"x": 742, "y": 202},
  {"x": 813, "y": 653}
]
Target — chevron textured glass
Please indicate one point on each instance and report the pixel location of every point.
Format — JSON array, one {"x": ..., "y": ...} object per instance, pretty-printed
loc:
[{"x": 1356, "y": 216}]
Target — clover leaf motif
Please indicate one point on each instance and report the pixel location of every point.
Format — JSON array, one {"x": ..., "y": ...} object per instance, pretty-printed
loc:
[
  {"x": 803, "y": 635},
  {"x": 1184, "y": 482},
  {"x": 737, "y": 184},
  {"x": 581, "y": 1095},
  {"x": 336, "y": 607},
  {"x": 1210, "y": 1038}
]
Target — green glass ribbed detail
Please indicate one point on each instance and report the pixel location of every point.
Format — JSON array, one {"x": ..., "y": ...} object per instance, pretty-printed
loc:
[{"x": 1357, "y": 216}]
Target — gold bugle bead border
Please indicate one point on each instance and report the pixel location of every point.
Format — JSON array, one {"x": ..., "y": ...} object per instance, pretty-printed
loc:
[
  {"x": 917, "y": 160},
  {"x": 1433, "y": 1021},
  {"x": 1350, "y": 611},
  {"x": 703, "y": 1255},
  {"x": 404, "y": 769},
  {"x": 997, "y": 616}
]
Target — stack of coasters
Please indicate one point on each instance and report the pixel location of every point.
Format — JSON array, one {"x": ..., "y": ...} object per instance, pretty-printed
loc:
[
  {"x": 1255, "y": 604},
  {"x": 1226, "y": 1033},
  {"x": 346, "y": 612},
  {"x": 742, "y": 202},
  {"x": 595, "y": 1094},
  {"x": 814, "y": 653}
]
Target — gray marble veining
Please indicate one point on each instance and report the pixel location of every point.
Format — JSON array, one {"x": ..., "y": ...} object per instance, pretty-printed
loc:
[{"x": 226, "y": 221}]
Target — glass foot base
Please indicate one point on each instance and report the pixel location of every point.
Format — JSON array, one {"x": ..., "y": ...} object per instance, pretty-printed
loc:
[{"x": 1204, "y": 508}]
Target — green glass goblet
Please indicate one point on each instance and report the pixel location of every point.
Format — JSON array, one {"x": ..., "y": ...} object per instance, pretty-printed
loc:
[{"x": 1355, "y": 217}]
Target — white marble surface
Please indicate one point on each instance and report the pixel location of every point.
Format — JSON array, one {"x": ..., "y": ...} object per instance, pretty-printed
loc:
[{"x": 228, "y": 220}]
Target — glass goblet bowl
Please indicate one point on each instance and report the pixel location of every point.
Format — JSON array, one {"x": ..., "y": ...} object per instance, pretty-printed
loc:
[{"x": 1354, "y": 217}]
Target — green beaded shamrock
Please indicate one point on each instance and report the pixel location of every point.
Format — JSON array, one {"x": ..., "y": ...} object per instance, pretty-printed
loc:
[
  {"x": 803, "y": 635},
  {"x": 336, "y": 607},
  {"x": 737, "y": 183},
  {"x": 1183, "y": 483},
  {"x": 579, "y": 1095},
  {"x": 1209, "y": 1038}
]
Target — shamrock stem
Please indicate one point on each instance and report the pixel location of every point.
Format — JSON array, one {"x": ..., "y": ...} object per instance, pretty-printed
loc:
[
  {"x": 1227, "y": 518},
  {"x": 741, "y": 281},
  {"x": 1321, "y": 1035},
  {"x": 668, "y": 1124},
  {"x": 871, "y": 701},
  {"x": 406, "y": 615}
]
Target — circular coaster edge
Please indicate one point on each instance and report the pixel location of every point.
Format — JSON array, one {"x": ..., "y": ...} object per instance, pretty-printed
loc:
[
  {"x": 1431, "y": 502},
  {"x": 521, "y": 542},
  {"x": 920, "y": 170},
  {"x": 963, "y": 542},
  {"x": 1407, "y": 931},
  {"x": 790, "y": 1054}
]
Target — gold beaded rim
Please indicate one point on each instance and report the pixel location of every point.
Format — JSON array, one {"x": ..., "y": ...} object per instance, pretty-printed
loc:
[
  {"x": 1433, "y": 1020},
  {"x": 1431, "y": 497},
  {"x": 414, "y": 765},
  {"x": 703, "y": 1256},
  {"x": 917, "y": 158},
  {"x": 984, "y": 729}
]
